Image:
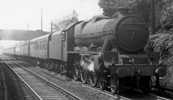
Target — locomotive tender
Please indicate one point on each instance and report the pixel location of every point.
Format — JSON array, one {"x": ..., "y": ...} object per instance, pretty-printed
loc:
[{"x": 104, "y": 52}]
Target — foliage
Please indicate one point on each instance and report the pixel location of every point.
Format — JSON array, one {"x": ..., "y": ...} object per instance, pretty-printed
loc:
[
  {"x": 164, "y": 9},
  {"x": 163, "y": 44},
  {"x": 111, "y": 6},
  {"x": 63, "y": 23}
]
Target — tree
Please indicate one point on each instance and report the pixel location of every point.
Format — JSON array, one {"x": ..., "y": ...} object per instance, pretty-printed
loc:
[
  {"x": 164, "y": 9},
  {"x": 111, "y": 6},
  {"x": 63, "y": 23}
]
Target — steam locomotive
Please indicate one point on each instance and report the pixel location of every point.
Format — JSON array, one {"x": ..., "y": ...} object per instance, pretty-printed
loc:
[{"x": 104, "y": 52}]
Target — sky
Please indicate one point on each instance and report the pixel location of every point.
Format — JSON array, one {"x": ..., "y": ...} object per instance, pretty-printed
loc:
[{"x": 26, "y": 14}]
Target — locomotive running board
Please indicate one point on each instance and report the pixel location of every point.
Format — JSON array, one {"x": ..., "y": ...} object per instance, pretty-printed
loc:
[
  {"x": 132, "y": 69},
  {"x": 84, "y": 52}
]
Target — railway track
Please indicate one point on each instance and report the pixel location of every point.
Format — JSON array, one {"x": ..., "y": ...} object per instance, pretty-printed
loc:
[
  {"x": 49, "y": 77},
  {"x": 150, "y": 96},
  {"x": 159, "y": 97},
  {"x": 113, "y": 97},
  {"x": 3, "y": 86},
  {"x": 40, "y": 88},
  {"x": 31, "y": 93}
]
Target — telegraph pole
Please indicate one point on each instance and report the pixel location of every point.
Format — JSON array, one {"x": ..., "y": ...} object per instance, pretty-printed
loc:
[
  {"x": 153, "y": 16},
  {"x": 41, "y": 19},
  {"x": 51, "y": 27},
  {"x": 27, "y": 27}
]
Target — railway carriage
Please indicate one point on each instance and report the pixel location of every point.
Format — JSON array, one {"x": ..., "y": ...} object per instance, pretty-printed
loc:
[
  {"x": 57, "y": 46},
  {"x": 17, "y": 49},
  {"x": 10, "y": 51},
  {"x": 38, "y": 47},
  {"x": 56, "y": 52},
  {"x": 24, "y": 48}
]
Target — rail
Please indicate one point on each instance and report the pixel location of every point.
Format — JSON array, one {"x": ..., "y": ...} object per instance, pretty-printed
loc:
[
  {"x": 73, "y": 96},
  {"x": 116, "y": 97},
  {"x": 4, "y": 86},
  {"x": 53, "y": 85},
  {"x": 33, "y": 93}
]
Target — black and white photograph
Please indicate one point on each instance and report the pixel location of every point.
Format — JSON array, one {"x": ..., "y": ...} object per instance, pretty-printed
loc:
[{"x": 86, "y": 49}]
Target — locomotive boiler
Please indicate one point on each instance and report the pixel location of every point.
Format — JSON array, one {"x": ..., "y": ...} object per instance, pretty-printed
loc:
[
  {"x": 128, "y": 33},
  {"x": 109, "y": 52}
]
